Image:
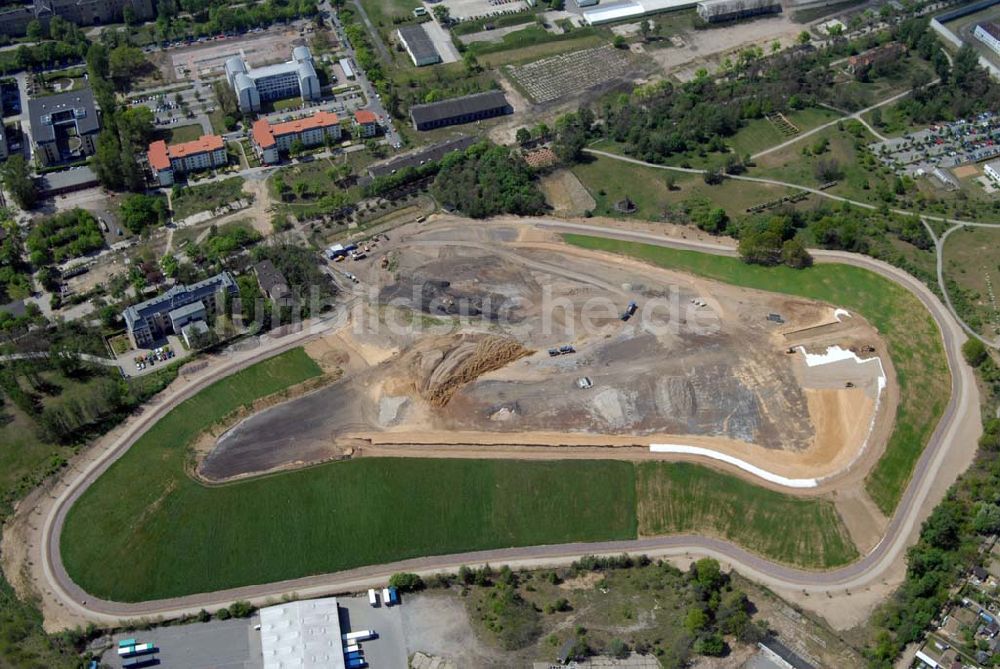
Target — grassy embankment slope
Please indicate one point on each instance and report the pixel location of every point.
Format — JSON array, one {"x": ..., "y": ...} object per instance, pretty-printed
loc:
[{"x": 914, "y": 341}]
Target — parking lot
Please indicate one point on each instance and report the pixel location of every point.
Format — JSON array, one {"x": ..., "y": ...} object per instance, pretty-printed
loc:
[
  {"x": 464, "y": 10},
  {"x": 219, "y": 644},
  {"x": 947, "y": 145},
  {"x": 389, "y": 648}
]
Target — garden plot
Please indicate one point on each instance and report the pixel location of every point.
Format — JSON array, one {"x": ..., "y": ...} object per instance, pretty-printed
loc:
[{"x": 552, "y": 78}]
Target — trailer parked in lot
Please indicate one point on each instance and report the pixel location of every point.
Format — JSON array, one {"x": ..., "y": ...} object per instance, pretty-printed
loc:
[
  {"x": 138, "y": 649},
  {"x": 353, "y": 648},
  {"x": 360, "y": 635},
  {"x": 372, "y": 597},
  {"x": 393, "y": 596}
]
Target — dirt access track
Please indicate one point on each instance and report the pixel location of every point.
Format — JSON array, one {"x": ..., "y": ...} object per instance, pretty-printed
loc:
[
  {"x": 843, "y": 596},
  {"x": 464, "y": 326}
]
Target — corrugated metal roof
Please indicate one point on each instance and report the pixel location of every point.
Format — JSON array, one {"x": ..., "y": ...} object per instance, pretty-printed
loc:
[{"x": 468, "y": 104}]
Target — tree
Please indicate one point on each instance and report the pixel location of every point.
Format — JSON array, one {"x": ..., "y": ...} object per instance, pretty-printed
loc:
[
  {"x": 17, "y": 179},
  {"x": 646, "y": 30},
  {"x": 760, "y": 247},
  {"x": 241, "y": 609},
  {"x": 804, "y": 37},
  {"x": 35, "y": 31},
  {"x": 794, "y": 254},
  {"x": 712, "y": 645},
  {"x": 523, "y": 136},
  {"x": 696, "y": 620},
  {"x": 619, "y": 42},
  {"x": 708, "y": 574},
  {"x": 138, "y": 212},
  {"x": 974, "y": 352},
  {"x": 406, "y": 582},
  {"x": 671, "y": 182},
  {"x": 124, "y": 63},
  {"x": 130, "y": 17},
  {"x": 618, "y": 649}
]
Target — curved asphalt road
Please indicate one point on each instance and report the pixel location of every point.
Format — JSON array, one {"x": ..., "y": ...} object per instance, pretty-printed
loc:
[{"x": 959, "y": 425}]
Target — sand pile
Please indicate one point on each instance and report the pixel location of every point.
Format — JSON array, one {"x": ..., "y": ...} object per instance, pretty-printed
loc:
[{"x": 457, "y": 360}]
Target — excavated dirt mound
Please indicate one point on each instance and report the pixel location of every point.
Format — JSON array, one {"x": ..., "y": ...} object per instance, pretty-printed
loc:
[{"x": 444, "y": 368}]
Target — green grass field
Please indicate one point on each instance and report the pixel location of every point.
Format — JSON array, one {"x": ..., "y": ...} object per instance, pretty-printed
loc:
[
  {"x": 207, "y": 196},
  {"x": 971, "y": 262},
  {"x": 183, "y": 133},
  {"x": 609, "y": 181},
  {"x": 146, "y": 530},
  {"x": 759, "y": 134},
  {"x": 914, "y": 341},
  {"x": 684, "y": 498}
]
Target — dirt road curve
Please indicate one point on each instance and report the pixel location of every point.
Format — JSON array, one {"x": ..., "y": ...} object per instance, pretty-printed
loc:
[{"x": 953, "y": 442}]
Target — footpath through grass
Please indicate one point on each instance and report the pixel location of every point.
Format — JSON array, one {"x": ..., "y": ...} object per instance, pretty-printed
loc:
[{"x": 915, "y": 345}]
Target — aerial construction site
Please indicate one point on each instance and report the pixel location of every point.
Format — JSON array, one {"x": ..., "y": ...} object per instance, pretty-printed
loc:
[{"x": 502, "y": 341}]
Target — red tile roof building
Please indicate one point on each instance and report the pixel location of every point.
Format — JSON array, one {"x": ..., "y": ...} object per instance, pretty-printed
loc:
[
  {"x": 269, "y": 140},
  {"x": 367, "y": 121},
  {"x": 167, "y": 161}
]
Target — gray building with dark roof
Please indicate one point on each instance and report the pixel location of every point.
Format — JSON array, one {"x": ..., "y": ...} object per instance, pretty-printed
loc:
[
  {"x": 418, "y": 44},
  {"x": 64, "y": 126},
  {"x": 455, "y": 111},
  {"x": 170, "y": 311}
]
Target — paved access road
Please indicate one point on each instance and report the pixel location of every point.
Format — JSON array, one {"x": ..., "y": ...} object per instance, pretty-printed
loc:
[{"x": 950, "y": 450}]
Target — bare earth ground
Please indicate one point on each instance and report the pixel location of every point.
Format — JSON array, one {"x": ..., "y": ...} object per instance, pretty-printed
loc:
[
  {"x": 566, "y": 194},
  {"x": 718, "y": 376},
  {"x": 842, "y": 608},
  {"x": 709, "y": 48}
]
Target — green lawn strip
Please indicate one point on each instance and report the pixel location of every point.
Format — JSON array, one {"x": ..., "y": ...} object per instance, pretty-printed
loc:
[
  {"x": 146, "y": 530},
  {"x": 183, "y": 133},
  {"x": 915, "y": 345},
  {"x": 677, "y": 498}
]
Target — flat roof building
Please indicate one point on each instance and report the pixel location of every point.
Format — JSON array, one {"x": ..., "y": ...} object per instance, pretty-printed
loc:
[
  {"x": 63, "y": 126},
  {"x": 271, "y": 139},
  {"x": 418, "y": 45},
  {"x": 989, "y": 34},
  {"x": 992, "y": 170},
  {"x": 170, "y": 161},
  {"x": 303, "y": 635},
  {"x": 455, "y": 111},
  {"x": 720, "y": 11},
  {"x": 151, "y": 320},
  {"x": 253, "y": 86}
]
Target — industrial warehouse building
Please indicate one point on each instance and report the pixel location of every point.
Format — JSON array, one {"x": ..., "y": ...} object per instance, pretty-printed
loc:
[
  {"x": 631, "y": 9},
  {"x": 151, "y": 320},
  {"x": 304, "y": 635},
  {"x": 63, "y": 126},
  {"x": 418, "y": 44},
  {"x": 252, "y": 86},
  {"x": 465, "y": 109},
  {"x": 721, "y": 11},
  {"x": 170, "y": 161},
  {"x": 989, "y": 34},
  {"x": 269, "y": 140}
]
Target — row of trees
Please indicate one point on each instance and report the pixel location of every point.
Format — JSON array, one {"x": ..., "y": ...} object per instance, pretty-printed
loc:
[
  {"x": 125, "y": 133},
  {"x": 68, "y": 234},
  {"x": 182, "y": 18}
]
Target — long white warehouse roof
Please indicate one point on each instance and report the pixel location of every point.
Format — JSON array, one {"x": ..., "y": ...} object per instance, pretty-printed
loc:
[
  {"x": 302, "y": 635},
  {"x": 632, "y": 9}
]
